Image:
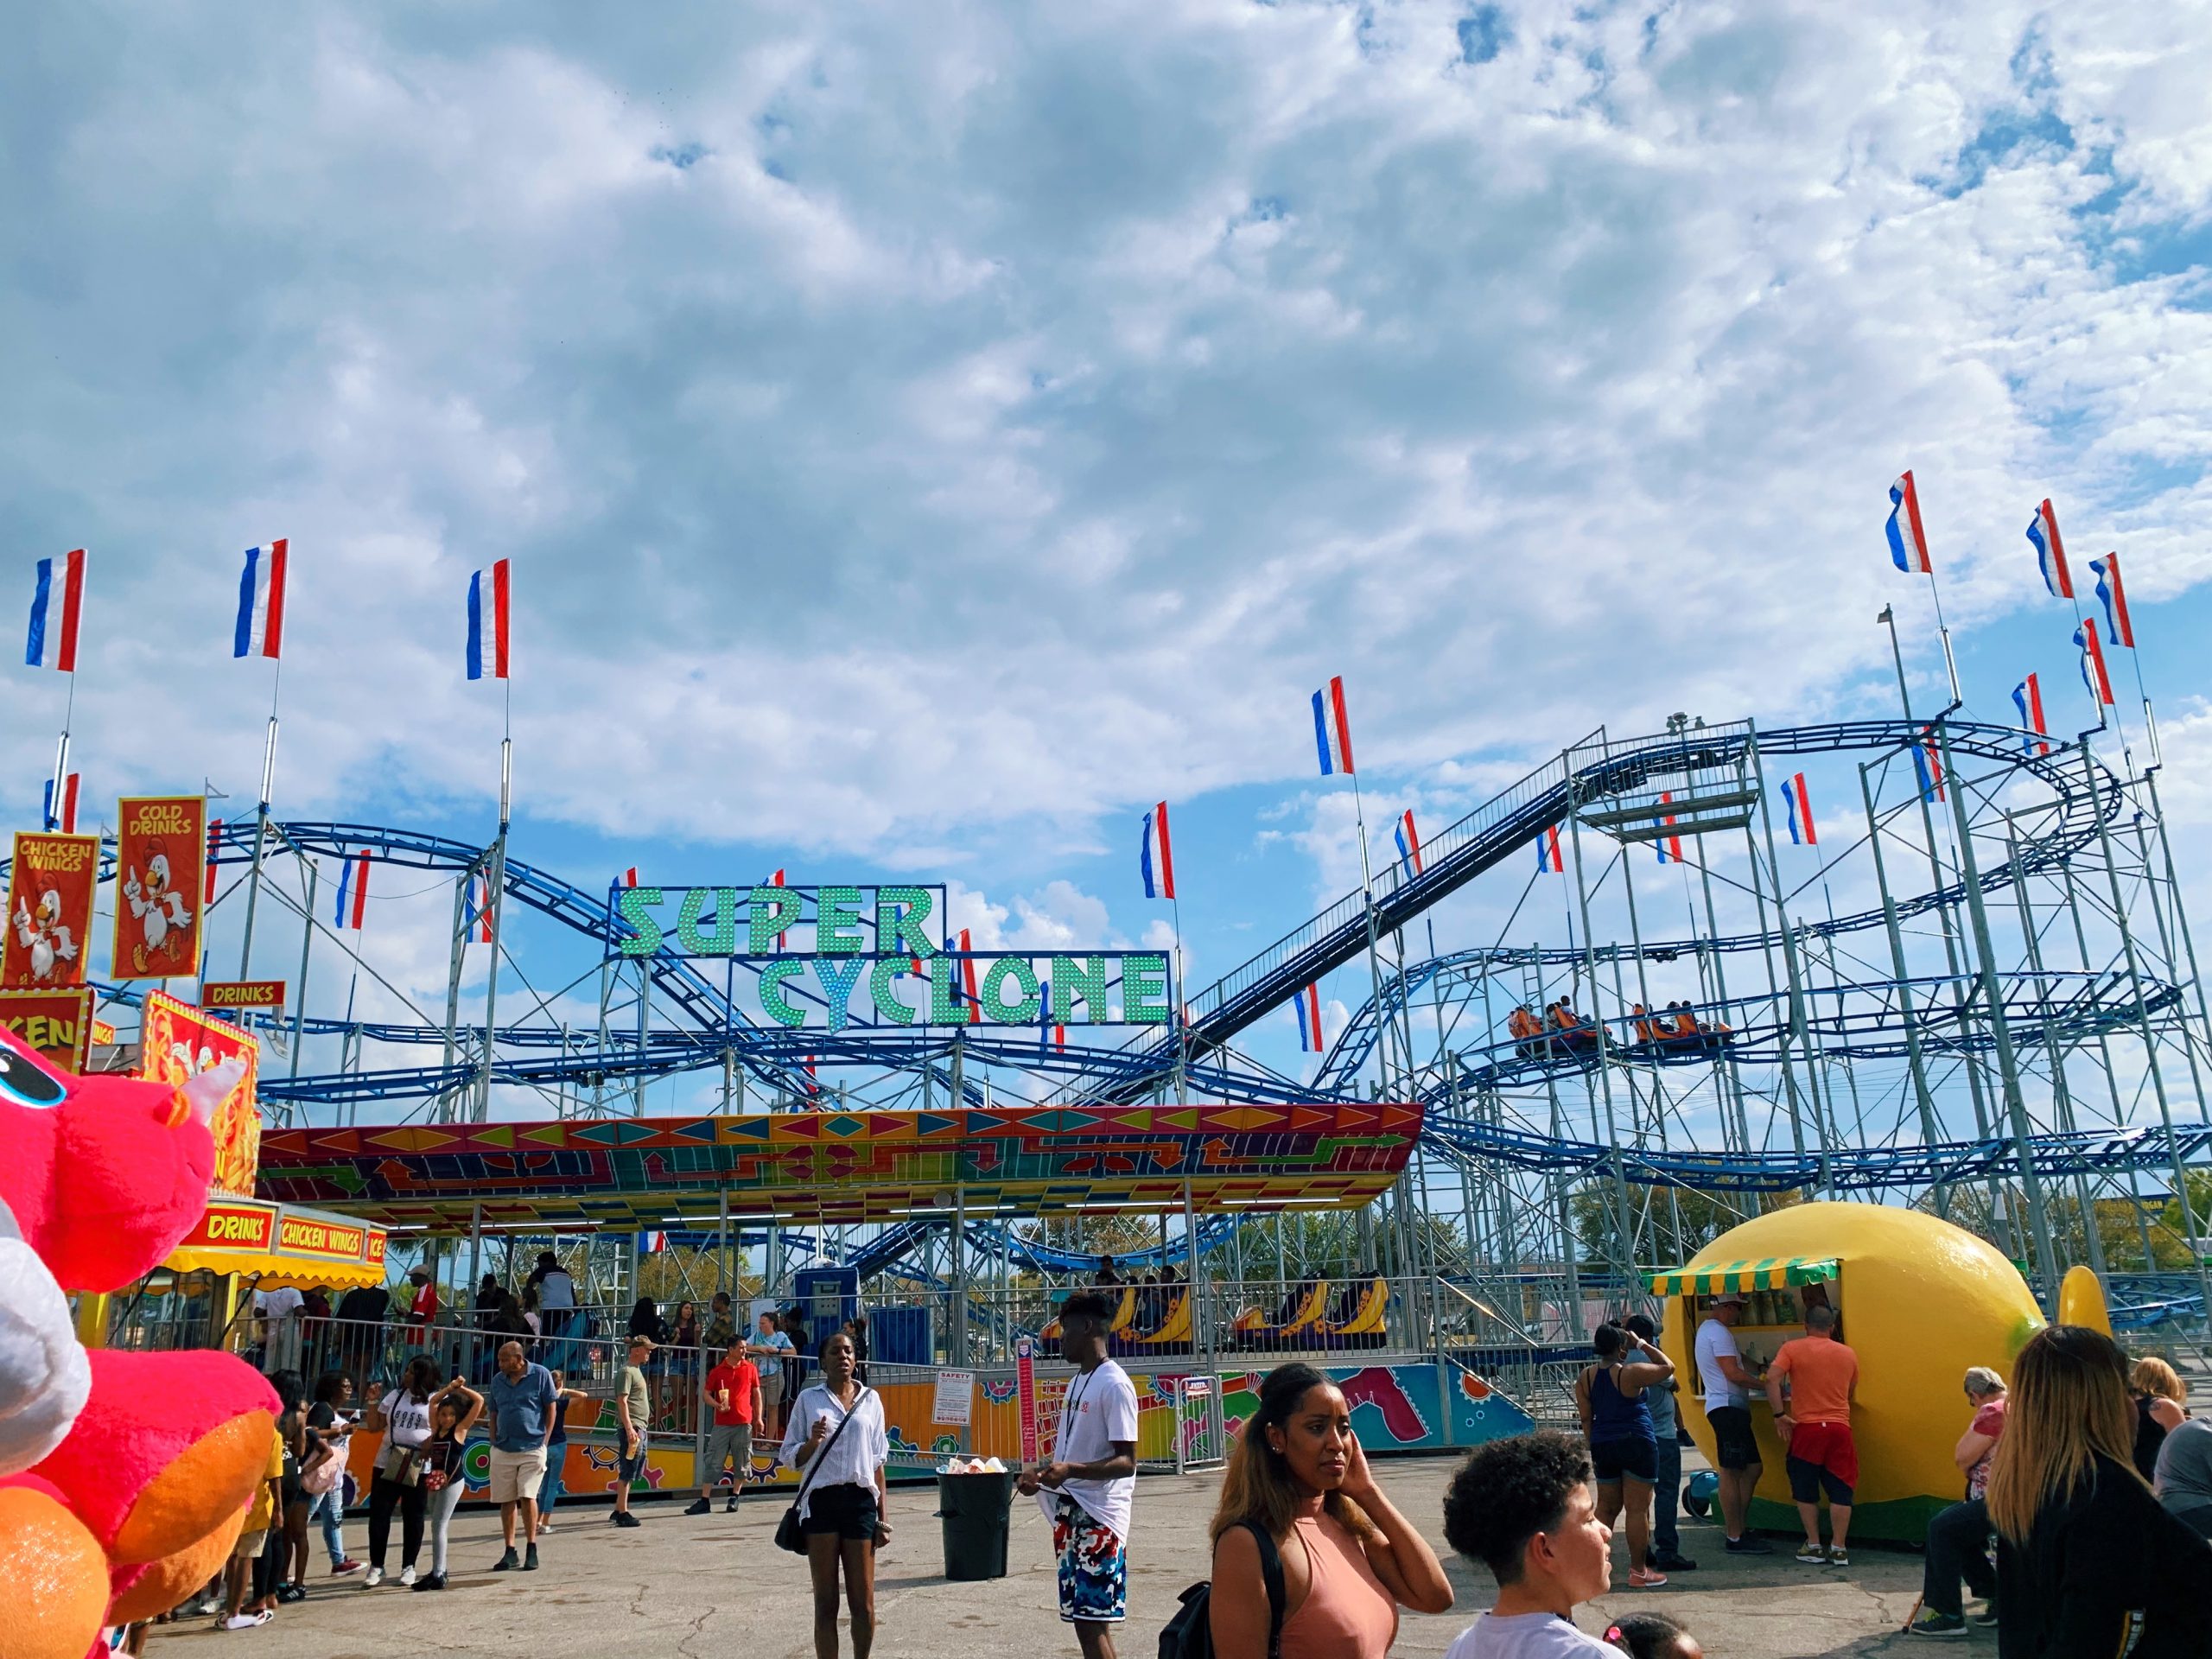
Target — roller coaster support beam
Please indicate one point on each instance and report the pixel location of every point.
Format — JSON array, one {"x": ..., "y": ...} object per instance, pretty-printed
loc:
[
  {"x": 1623, "y": 1221},
  {"x": 2150, "y": 1046},
  {"x": 2181, "y": 920},
  {"x": 2104, "y": 1056},
  {"x": 1732, "y": 1071},
  {"x": 300, "y": 1007},
  {"x": 455, "y": 942},
  {"x": 2166, "y": 948},
  {"x": 2062, "y": 1095},
  {"x": 260, "y": 836},
  {"x": 1799, "y": 1032},
  {"x": 1919, "y": 1069},
  {"x": 2001, "y": 1029},
  {"x": 1998, "y": 1213}
]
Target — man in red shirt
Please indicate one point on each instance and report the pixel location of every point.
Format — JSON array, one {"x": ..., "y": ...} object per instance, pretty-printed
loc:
[
  {"x": 423, "y": 1313},
  {"x": 1815, "y": 1428},
  {"x": 733, "y": 1392}
]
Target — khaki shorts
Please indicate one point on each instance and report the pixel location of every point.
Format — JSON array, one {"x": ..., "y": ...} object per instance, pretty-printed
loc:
[
  {"x": 515, "y": 1475},
  {"x": 250, "y": 1543},
  {"x": 727, "y": 1442}
]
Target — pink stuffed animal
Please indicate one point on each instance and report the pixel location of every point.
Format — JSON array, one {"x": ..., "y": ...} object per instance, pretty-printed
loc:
[{"x": 111, "y": 1465}]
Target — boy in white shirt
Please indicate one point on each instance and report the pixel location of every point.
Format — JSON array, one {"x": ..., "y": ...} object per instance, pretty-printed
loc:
[
  {"x": 1090, "y": 1484},
  {"x": 1523, "y": 1507}
]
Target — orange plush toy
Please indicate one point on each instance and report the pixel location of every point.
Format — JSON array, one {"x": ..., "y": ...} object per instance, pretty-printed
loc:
[{"x": 123, "y": 1476}]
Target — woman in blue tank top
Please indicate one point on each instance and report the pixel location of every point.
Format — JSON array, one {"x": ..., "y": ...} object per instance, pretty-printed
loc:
[{"x": 1624, "y": 1450}]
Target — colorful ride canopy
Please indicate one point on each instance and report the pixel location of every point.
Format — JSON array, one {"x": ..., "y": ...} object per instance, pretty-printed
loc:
[{"x": 841, "y": 1168}]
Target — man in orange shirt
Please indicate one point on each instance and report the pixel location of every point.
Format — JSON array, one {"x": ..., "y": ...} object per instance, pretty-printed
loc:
[{"x": 1815, "y": 1430}]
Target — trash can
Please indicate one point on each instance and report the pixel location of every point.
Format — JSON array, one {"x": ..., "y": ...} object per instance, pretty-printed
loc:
[{"x": 973, "y": 1510}]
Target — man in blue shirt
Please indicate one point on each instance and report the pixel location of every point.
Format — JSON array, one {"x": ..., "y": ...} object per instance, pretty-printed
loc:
[{"x": 521, "y": 1399}]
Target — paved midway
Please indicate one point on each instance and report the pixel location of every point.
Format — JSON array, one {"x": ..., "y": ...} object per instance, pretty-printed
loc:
[{"x": 716, "y": 1586}]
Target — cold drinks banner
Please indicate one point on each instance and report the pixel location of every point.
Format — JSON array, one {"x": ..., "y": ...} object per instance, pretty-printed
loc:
[{"x": 160, "y": 847}]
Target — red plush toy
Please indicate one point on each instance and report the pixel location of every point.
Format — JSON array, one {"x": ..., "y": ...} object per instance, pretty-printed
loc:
[{"x": 120, "y": 1473}]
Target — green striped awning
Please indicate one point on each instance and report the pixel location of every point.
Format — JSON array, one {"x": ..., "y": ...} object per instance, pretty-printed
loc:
[{"x": 1771, "y": 1272}]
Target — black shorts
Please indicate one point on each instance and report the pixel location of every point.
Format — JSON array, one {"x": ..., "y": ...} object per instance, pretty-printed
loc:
[
  {"x": 844, "y": 1511},
  {"x": 1735, "y": 1448},
  {"x": 1636, "y": 1458},
  {"x": 1808, "y": 1480}
]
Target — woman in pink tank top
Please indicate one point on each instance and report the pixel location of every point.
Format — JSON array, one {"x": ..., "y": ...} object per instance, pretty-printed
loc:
[{"x": 1349, "y": 1559}]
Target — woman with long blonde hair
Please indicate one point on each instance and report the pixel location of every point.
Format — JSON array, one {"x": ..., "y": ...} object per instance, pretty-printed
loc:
[
  {"x": 1297, "y": 1472},
  {"x": 2158, "y": 1411},
  {"x": 2086, "y": 1560}
]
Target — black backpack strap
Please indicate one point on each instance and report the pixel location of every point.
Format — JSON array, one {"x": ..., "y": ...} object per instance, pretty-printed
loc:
[{"x": 1271, "y": 1575}]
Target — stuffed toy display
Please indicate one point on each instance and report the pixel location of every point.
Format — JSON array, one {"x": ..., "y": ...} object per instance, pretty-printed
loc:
[{"x": 124, "y": 1478}]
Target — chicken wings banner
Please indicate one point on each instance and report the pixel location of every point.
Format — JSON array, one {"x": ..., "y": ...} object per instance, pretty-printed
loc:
[
  {"x": 159, "y": 849},
  {"x": 49, "y": 911}
]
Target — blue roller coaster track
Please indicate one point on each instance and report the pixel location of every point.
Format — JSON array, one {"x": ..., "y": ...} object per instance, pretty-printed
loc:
[{"x": 705, "y": 1025}]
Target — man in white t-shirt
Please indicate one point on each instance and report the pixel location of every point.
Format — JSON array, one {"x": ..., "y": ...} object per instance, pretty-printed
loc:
[
  {"x": 1726, "y": 1384},
  {"x": 1090, "y": 1486},
  {"x": 280, "y": 1311}
]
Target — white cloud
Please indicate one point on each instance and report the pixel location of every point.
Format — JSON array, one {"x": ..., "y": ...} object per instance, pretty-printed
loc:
[{"x": 965, "y": 426}]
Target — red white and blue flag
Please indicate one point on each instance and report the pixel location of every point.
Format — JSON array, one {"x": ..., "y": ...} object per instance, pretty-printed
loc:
[
  {"x": 1332, "y": 727},
  {"x": 966, "y": 993},
  {"x": 65, "y": 819},
  {"x": 2092, "y": 662},
  {"x": 476, "y": 919},
  {"x": 653, "y": 1243},
  {"x": 354, "y": 890},
  {"x": 260, "y": 630},
  {"x": 1156, "y": 855},
  {"x": 1309, "y": 1020},
  {"x": 487, "y": 622},
  {"x": 1408, "y": 840},
  {"x": 1907, "y": 542},
  {"x": 1670, "y": 847},
  {"x": 774, "y": 880},
  {"x": 2027, "y": 697},
  {"x": 1547, "y": 858},
  {"x": 630, "y": 876},
  {"x": 53, "y": 641},
  {"x": 2114, "y": 597},
  {"x": 1045, "y": 1020},
  {"x": 1800, "y": 807},
  {"x": 1927, "y": 761},
  {"x": 2051, "y": 552}
]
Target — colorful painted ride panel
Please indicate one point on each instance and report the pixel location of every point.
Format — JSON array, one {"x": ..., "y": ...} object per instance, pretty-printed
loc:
[{"x": 843, "y": 1166}]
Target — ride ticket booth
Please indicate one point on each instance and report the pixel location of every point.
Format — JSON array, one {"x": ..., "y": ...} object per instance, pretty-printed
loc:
[{"x": 1916, "y": 1298}]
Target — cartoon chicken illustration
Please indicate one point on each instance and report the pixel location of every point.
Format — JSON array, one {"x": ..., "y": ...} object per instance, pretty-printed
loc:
[
  {"x": 164, "y": 922},
  {"x": 42, "y": 934}
]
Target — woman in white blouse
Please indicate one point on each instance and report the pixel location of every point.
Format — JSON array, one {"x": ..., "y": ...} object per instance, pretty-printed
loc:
[{"x": 841, "y": 1510}]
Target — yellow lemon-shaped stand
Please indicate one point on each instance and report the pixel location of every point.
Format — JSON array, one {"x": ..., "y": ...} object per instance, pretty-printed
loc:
[{"x": 1920, "y": 1300}]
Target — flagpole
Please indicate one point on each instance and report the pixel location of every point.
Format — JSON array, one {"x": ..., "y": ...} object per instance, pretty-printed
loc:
[
  {"x": 1950, "y": 663},
  {"x": 1374, "y": 964},
  {"x": 496, "y": 879},
  {"x": 261, "y": 821},
  {"x": 1182, "y": 1025},
  {"x": 61, "y": 750}
]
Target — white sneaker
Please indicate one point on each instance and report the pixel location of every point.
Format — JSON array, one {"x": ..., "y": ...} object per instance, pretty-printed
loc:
[
  {"x": 375, "y": 1578},
  {"x": 407, "y": 1577}
]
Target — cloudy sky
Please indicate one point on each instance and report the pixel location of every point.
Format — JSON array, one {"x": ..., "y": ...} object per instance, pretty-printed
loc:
[{"x": 924, "y": 436}]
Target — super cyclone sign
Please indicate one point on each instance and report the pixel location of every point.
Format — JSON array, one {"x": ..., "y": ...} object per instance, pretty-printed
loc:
[{"x": 811, "y": 949}]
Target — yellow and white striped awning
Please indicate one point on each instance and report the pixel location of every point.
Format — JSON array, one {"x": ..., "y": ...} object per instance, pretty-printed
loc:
[{"x": 1771, "y": 1273}]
